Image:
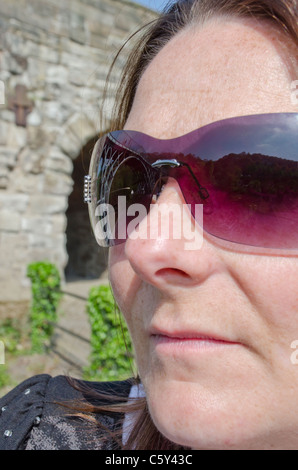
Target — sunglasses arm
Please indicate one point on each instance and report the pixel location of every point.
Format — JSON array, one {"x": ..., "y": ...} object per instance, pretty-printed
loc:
[{"x": 175, "y": 163}]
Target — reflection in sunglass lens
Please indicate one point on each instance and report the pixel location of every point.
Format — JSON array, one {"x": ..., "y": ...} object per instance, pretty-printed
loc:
[{"x": 132, "y": 184}]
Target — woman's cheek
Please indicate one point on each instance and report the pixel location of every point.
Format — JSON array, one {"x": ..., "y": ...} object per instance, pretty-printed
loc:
[{"x": 123, "y": 281}]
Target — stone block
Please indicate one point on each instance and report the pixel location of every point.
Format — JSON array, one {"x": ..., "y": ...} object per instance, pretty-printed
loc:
[
  {"x": 47, "y": 247},
  {"x": 106, "y": 8},
  {"x": 57, "y": 161},
  {"x": 21, "y": 28},
  {"x": 37, "y": 224},
  {"x": 36, "y": 70},
  {"x": 56, "y": 74},
  {"x": 68, "y": 99},
  {"x": 54, "y": 111},
  {"x": 14, "y": 64},
  {"x": 30, "y": 160},
  {"x": 11, "y": 288},
  {"x": 8, "y": 157},
  {"x": 86, "y": 64},
  {"x": 14, "y": 249},
  {"x": 34, "y": 119},
  {"x": 9, "y": 221},
  {"x": 99, "y": 32},
  {"x": 3, "y": 132},
  {"x": 127, "y": 21},
  {"x": 3, "y": 180},
  {"x": 57, "y": 183},
  {"x": 59, "y": 222},
  {"x": 40, "y": 250},
  {"x": 48, "y": 54},
  {"x": 15, "y": 80},
  {"x": 6, "y": 115},
  {"x": 37, "y": 138},
  {"x": 82, "y": 127},
  {"x": 51, "y": 91},
  {"x": 68, "y": 143},
  {"x": 71, "y": 49},
  {"x": 40, "y": 241},
  {"x": 37, "y": 15},
  {"x": 26, "y": 182},
  {"x": 78, "y": 131},
  {"x": 16, "y": 44},
  {"x": 83, "y": 76},
  {"x": 69, "y": 59},
  {"x": 96, "y": 18},
  {"x": 14, "y": 202},
  {"x": 77, "y": 30},
  {"x": 47, "y": 204},
  {"x": 59, "y": 254},
  {"x": 3, "y": 171},
  {"x": 92, "y": 95},
  {"x": 16, "y": 136}
]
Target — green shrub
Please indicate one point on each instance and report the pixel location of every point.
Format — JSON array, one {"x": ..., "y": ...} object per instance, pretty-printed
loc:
[
  {"x": 111, "y": 355},
  {"x": 45, "y": 282},
  {"x": 4, "y": 376},
  {"x": 10, "y": 335}
]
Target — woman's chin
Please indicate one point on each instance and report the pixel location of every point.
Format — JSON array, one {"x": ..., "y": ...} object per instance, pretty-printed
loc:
[{"x": 197, "y": 419}]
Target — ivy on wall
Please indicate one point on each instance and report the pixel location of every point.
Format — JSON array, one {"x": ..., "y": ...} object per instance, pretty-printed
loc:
[
  {"x": 111, "y": 355},
  {"x": 45, "y": 285}
]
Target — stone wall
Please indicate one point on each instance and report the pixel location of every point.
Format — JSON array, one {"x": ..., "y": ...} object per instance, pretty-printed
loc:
[{"x": 61, "y": 53}]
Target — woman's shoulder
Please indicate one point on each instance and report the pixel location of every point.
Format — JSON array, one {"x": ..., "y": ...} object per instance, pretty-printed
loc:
[{"x": 37, "y": 413}]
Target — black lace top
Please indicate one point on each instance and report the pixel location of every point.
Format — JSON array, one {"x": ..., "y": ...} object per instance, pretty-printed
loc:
[{"x": 32, "y": 418}]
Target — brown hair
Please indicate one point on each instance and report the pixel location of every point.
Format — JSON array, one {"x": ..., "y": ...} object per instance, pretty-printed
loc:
[{"x": 283, "y": 14}]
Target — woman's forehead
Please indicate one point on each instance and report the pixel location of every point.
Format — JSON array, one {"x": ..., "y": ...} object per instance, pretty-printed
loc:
[{"x": 224, "y": 69}]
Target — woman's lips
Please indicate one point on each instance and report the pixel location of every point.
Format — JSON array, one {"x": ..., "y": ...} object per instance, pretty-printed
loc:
[{"x": 188, "y": 340}]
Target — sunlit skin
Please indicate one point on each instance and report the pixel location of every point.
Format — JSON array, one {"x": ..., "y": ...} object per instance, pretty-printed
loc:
[{"x": 240, "y": 393}]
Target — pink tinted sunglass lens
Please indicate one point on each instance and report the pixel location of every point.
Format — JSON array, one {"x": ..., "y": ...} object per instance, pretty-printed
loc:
[{"x": 243, "y": 170}]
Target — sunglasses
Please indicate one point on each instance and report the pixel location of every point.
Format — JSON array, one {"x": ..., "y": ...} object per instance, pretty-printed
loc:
[{"x": 243, "y": 171}]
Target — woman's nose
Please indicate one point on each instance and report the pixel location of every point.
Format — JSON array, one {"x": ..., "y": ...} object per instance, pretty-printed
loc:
[{"x": 168, "y": 247}]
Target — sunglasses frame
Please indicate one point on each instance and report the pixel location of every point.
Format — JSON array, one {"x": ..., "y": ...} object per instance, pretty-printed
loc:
[{"x": 164, "y": 163}]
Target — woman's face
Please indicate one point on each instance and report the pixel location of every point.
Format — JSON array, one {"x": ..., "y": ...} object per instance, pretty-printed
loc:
[{"x": 240, "y": 392}]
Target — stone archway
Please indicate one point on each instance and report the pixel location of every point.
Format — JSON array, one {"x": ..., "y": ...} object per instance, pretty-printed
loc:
[
  {"x": 61, "y": 52},
  {"x": 86, "y": 260}
]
